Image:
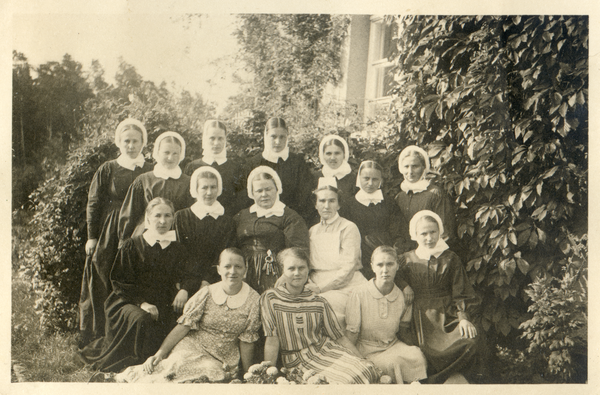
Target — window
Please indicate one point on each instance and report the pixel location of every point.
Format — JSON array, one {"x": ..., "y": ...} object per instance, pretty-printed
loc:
[{"x": 379, "y": 79}]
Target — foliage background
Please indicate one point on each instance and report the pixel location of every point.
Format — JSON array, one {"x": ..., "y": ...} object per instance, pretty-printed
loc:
[{"x": 500, "y": 103}]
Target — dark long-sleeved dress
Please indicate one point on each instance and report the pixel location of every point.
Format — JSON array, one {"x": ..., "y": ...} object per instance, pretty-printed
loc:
[
  {"x": 141, "y": 273},
  {"x": 379, "y": 224},
  {"x": 434, "y": 199},
  {"x": 233, "y": 173},
  {"x": 257, "y": 236},
  {"x": 442, "y": 295},
  {"x": 297, "y": 181},
  {"x": 107, "y": 191},
  {"x": 145, "y": 188},
  {"x": 203, "y": 240}
]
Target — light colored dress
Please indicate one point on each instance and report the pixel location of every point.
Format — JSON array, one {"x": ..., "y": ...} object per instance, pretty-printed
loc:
[
  {"x": 376, "y": 319},
  {"x": 306, "y": 328},
  {"x": 335, "y": 262},
  {"x": 218, "y": 323}
]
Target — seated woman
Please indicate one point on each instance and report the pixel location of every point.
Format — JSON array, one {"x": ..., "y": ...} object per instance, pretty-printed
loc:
[
  {"x": 374, "y": 314},
  {"x": 303, "y": 326},
  {"x": 145, "y": 301},
  {"x": 334, "y": 253},
  {"x": 266, "y": 228},
  {"x": 204, "y": 229},
  {"x": 219, "y": 325},
  {"x": 442, "y": 295}
]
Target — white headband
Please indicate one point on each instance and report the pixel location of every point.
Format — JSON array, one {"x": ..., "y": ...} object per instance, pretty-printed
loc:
[
  {"x": 194, "y": 180},
  {"x": 160, "y": 138},
  {"x": 328, "y": 138},
  {"x": 124, "y": 124},
  {"x": 260, "y": 170},
  {"x": 418, "y": 216},
  {"x": 408, "y": 151}
]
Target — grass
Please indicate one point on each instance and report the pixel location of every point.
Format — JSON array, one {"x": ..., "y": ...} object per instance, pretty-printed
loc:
[{"x": 39, "y": 356}]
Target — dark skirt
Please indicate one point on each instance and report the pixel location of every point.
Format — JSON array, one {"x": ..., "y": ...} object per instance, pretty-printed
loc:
[{"x": 263, "y": 270}]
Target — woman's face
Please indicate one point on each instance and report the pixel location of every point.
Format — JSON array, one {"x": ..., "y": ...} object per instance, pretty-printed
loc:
[
  {"x": 168, "y": 154},
  {"x": 215, "y": 138},
  {"x": 207, "y": 190},
  {"x": 295, "y": 271},
  {"x": 327, "y": 204},
  {"x": 370, "y": 180},
  {"x": 131, "y": 143},
  {"x": 428, "y": 233},
  {"x": 276, "y": 139},
  {"x": 161, "y": 219},
  {"x": 334, "y": 156},
  {"x": 232, "y": 269},
  {"x": 264, "y": 193},
  {"x": 384, "y": 266},
  {"x": 412, "y": 168}
]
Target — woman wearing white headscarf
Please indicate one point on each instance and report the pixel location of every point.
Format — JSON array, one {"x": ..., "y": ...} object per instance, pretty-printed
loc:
[
  {"x": 442, "y": 294},
  {"x": 107, "y": 191},
  {"x": 419, "y": 193},
  {"x": 267, "y": 227},
  {"x": 166, "y": 180},
  {"x": 204, "y": 229},
  {"x": 214, "y": 154},
  {"x": 333, "y": 155}
]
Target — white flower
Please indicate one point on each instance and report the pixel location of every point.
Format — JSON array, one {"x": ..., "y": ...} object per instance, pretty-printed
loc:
[
  {"x": 282, "y": 380},
  {"x": 272, "y": 371}
]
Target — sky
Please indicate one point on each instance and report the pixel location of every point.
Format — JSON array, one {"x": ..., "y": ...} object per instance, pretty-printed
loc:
[{"x": 190, "y": 53}]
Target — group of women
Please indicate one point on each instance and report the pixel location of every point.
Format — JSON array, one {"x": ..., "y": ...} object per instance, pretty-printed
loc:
[{"x": 186, "y": 271}]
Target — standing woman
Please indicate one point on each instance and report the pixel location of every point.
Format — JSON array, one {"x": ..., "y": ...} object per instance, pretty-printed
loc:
[
  {"x": 204, "y": 229},
  {"x": 166, "y": 180},
  {"x": 378, "y": 219},
  {"x": 418, "y": 193},
  {"x": 333, "y": 155},
  {"x": 214, "y": 154},
  {"x": 145, "y": 301},
  {"x": 266, "y": 228},
  {"x": 295, "y": 174},
  {"x": 304, "y": 328},
  {"x": 107, "y": 191},
  {"x": 335, "y": 261}
]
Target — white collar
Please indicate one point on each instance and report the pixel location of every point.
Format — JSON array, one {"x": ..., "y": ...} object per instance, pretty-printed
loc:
[
  {"x": 273, "y": 157},
  {"x": 161, "y": 172},
  {"x": 233, "y": 301},
  {"x": 366, "y": 199},
  {"x": 152, "y": 237},
  {"x": 338, "y": 173},
  {"x": 209, "y": 158},
  {"x": 330, "y": 221},
  {"x": 426, "y": 253},
  {"x": 128, "y": 163},
  {"x": 201, "y": 210},
  {"x": 276, "y": 210},
  {"x": 391, "y": 297},
  {"x": 415, "y": 187}
]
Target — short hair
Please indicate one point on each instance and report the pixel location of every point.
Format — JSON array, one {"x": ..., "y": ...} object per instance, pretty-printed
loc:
[
  {"x": 158, "y": 201},
  {"x": 292, "y": 252},
  {"x": 340, "y": 194},
  {"x": 232, "y": 251},
  {"x": 274, "y": 123},
  {"x": 336, "y": 142},
  {"x": 387, "y": 250}
]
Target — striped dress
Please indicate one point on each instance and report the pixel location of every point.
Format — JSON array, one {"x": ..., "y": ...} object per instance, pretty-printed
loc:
[{"x": 306, "y": 327}]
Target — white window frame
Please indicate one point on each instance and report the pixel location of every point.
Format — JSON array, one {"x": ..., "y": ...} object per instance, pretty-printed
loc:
[{"x": 374, "y": 97}]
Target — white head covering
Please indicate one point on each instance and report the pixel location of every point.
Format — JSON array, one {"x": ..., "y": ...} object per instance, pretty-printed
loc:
[
  {"x": 344, "y": 168},
  {"x": 362, "y": 196},
  {"x": 360, "y": 169},
  {"x": 260, "y": 170},
  {"x": 422, "y": 251},
  {"x": 194, "y": 180},
  {"x": 160, "y": 138},
  {"x": 422, "y": 184},
  {"x": 207, "y": 155},
  {"x": 127, "y": 122},
  {"x": 271, "y": 156}
]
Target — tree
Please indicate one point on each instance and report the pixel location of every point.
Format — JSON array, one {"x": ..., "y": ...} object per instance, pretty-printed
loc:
[{"x": 501, "y": 104}]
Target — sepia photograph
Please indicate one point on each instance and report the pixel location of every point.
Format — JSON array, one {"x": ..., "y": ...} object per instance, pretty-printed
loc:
[{"x": 261, "y": 197}]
